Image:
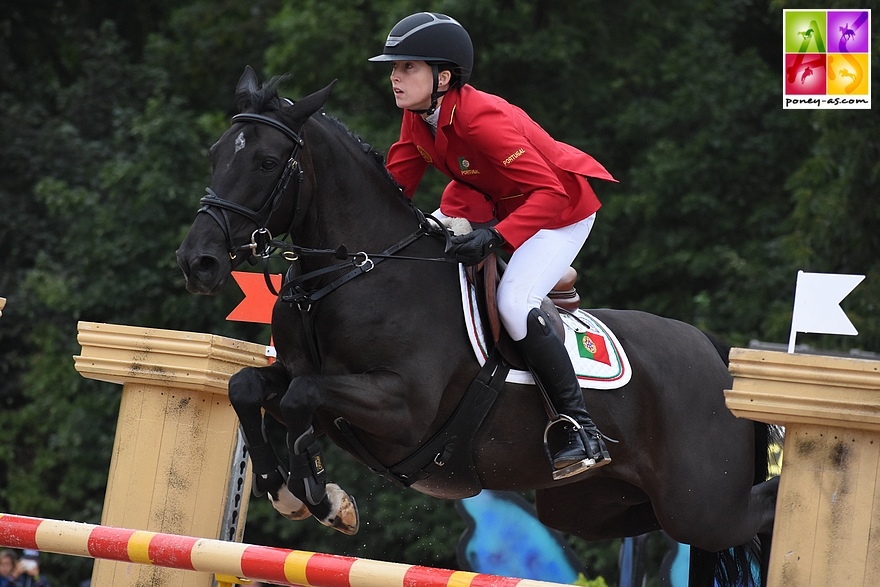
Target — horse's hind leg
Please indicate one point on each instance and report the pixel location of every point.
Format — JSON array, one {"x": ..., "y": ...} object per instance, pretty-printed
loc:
[
  {"x": 249, "y": 391},
  {"x": 758, "y": 520},
  {"x": 762, "y": 506},
  {"x": 596, "y": 508},
  {"x": 764, "y": 501},
  {"x": 701, "y": 568},
  {"x": 766, "y": 540}
]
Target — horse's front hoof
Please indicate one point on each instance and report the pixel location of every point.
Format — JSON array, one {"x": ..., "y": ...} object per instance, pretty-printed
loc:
[
  {"x": 343, "y": 513},
  {"x": 288, "y": 505}
]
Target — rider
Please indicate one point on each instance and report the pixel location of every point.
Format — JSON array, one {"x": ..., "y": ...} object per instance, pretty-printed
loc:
[{"x": 528, "y": 191}]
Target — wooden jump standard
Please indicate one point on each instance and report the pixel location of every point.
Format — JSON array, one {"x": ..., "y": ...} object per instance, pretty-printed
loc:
[
  {"x": 235, "y": 559},
  {"x": 179, "y": 464},
  {"x": 827, "y": 529}
]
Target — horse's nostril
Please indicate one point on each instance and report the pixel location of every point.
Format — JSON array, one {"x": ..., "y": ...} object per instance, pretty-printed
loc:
[{"x": 205, "y": 266}]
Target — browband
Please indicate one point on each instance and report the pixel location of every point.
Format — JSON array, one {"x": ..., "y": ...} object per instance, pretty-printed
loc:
[{"x": 259, "y": 118}]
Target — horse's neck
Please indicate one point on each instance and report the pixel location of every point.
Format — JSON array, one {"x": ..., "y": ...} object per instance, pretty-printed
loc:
[{"x": 354, "y": 201}]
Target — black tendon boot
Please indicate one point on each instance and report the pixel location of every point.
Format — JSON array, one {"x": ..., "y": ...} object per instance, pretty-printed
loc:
[{"x": 551, "y": 366}]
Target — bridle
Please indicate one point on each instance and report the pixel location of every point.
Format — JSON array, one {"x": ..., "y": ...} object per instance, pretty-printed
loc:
[
  {"x": 263, "y": 244},
  {"x": 217, "y": 208}
]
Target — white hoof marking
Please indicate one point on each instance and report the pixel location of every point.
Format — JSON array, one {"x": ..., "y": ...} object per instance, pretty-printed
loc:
[{"x": 288, "y": 505}]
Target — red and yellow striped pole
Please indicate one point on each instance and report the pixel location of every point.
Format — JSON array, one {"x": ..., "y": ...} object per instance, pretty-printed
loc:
[{"x": 233, "y": 559}]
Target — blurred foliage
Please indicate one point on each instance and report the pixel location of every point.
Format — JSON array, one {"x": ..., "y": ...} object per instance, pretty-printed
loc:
[{"x": 110, "y": 108}]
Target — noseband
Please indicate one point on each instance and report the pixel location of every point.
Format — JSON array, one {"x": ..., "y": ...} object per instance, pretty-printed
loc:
[{"x": 217, "y": 208}]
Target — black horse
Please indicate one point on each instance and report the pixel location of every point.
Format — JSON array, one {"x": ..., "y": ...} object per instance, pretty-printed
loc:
[{"x": 376, "y": 356}]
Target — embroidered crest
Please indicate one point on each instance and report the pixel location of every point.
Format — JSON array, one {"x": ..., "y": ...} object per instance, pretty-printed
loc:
[
  {"x": 589, "y": 344},
  {"x": 465, "y": 167},
  {"x": 424, "y": 154}
]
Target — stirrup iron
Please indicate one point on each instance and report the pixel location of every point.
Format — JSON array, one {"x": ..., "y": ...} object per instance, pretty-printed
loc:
[{"x": 581, "y": 466}]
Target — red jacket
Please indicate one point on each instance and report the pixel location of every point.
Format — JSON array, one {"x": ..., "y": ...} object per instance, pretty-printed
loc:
[{"x": 505, "y": 166}]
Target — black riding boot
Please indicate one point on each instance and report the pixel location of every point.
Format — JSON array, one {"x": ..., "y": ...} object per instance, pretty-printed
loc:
[{"x": 551, "y": 366}]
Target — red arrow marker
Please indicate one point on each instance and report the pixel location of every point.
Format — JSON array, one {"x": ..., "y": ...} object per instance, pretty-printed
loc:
[{"x": 258, "y": 301}]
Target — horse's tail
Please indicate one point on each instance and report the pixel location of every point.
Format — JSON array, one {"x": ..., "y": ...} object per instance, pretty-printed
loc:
[{"x": 740, "y": 565}]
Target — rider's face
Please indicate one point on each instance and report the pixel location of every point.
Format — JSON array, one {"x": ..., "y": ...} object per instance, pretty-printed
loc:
[{"x": 412, "y": 82}]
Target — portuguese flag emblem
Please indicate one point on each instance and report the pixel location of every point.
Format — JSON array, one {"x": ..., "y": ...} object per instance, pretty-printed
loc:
[{"x": 592, "y": 346}]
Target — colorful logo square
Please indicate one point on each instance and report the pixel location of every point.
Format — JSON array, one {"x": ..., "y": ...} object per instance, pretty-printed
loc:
[
  {"x": 848, "y": 74},
  {"x": 848, "y": 31},
  {"x": 827, "y": 59},
  {"x": 804, "y": 31},
  {"x": 805, "y": 74}
]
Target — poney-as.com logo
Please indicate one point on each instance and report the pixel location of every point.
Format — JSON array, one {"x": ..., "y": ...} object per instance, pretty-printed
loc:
[{"x": 827, "y": 57}]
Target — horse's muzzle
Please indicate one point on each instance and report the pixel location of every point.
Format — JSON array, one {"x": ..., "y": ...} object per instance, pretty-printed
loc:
[{"x": 203, "y": 273}]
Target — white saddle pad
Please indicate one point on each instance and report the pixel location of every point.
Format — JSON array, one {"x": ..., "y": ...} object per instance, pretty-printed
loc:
[{"x": 597, "y": 356}]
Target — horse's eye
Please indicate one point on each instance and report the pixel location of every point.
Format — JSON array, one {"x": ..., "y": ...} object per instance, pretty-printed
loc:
[{"x": 269, "y": 165}]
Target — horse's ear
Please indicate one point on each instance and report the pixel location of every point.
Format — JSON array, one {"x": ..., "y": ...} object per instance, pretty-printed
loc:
[
  {"x": 248, "y": 84},
  {"x": 303, "y": 109},
  {"x": 248, "y": 81}
]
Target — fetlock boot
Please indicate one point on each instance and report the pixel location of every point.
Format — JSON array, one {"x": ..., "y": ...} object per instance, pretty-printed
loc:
[{"x": 551, "y": 366}]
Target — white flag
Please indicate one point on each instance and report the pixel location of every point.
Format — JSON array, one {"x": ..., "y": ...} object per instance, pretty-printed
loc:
[{"x": 817, "y": 308}]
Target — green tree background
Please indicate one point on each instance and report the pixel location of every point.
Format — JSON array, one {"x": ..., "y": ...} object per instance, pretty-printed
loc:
[{"x": 109, "y": 108}]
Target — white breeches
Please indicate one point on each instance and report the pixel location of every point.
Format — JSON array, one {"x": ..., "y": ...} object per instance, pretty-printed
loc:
[{"x": 534, "y": 268}]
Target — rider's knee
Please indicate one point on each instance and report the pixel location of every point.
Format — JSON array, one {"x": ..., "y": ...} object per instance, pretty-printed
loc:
[{"x": 513, "y": 311}]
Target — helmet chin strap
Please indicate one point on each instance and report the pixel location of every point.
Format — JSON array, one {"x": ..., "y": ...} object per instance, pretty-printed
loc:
[{"x": 435, "y": 94}]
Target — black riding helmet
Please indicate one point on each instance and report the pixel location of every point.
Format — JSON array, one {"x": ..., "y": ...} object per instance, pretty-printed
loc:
[{"x": 436, "y": 39}]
